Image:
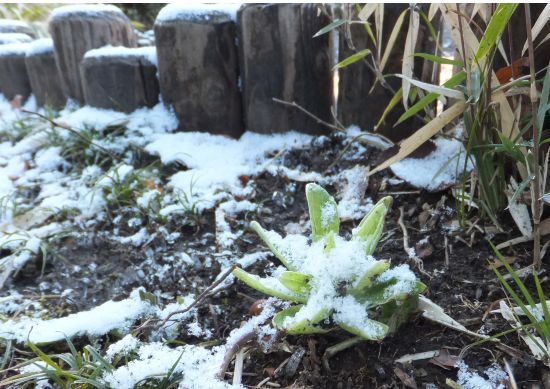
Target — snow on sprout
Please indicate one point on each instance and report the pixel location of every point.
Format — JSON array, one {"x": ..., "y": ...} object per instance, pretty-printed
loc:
[{"x": 334, "y": 278}]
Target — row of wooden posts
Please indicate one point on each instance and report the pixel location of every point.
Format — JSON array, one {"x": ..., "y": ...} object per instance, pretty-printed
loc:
[{"x": 219, "y": 74}]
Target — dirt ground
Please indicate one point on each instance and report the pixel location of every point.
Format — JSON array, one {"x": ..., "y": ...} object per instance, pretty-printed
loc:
[{"x": 455, "y": 263}]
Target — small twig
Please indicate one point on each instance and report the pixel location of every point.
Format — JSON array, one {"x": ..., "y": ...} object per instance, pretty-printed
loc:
[
  {"x": 410, "y": 253},
  {"x": 239, "y": 362},
  {"x": 202, "y": 296},
  {"x": 339, "y": 347},
  {"x": 314, "y": 117},
  {"x": 243, "y": 340},
  {"x": 446, "y": 242},
  {"x": 73, "y": 131}
]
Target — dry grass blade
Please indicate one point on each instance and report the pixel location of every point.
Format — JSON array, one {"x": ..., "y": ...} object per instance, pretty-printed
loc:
[
  {"x": 530, "y": 340},
  {"x": 482, "y": 9},
  {"x": 542, "y": 21},
  {"x": 367, "y": 11},
  {"x": 441, "y": 90},
  {"x": 423, "y": 134},
  {"x": 434, "y": 7},
  {"x": 408, "y": 54},
  {"x": 379, "y": 22},
  {"x": 392, "y": 39},
  {"x": 508, "y": 122},
  {"x": 470, "y": 41}
]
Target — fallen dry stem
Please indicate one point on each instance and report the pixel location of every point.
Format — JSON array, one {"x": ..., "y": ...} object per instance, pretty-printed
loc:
[{"x": 202, "y": 296}]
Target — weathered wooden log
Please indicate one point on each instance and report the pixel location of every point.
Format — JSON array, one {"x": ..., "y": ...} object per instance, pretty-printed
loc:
[
  {"x": 360, "y": 102},
  {"x": 7, "y": 38},
  {"x": 198, "y": 67},
  {"x": 120, "y": 78},
  {"x": 42, "y": 73},
  {"x": 13, "y": 73},
  {"x": 281, "y": 59},
  {"x": 76, "y": 29},
  {"x": 16, "y": 26}
]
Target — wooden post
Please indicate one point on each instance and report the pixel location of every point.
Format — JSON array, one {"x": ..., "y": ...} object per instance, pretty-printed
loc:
[
  {"x": 75, "y": 29},
  {"x": 43, "y": 76},
  {"x": 13, "y": 37},
  {"x": 16, "y": 26},
  {"x": 198, "y": 67},
  {"x": 13, "y": 73},
  {"x": 120, "y": 78},
  {"x": 281, "y": 59}
]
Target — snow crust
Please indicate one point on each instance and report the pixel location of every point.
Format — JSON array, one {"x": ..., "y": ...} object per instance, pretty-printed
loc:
[
  {"x": 14, "y": 49},
  {"x": 12, "y": 22},
  {"x": 215, "y": 162},
  {"x": 40, "y": 46},
  {"x": 149, "y": 52},
  {"x": 13, "y": 37},
  {"x": 436, "y": 171},
  {"x": 91, "y": 10},
  {"x": 97, "y": 321},
  {"x": 495, "y": 377},
  {"x": 198, "y": 365},
  {"x": 197, "y": 11}
]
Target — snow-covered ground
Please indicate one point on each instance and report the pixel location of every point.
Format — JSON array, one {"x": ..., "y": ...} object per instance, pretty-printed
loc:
[{"x": 54, "y": 179}]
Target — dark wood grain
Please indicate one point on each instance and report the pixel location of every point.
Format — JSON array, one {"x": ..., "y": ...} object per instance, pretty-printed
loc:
[
  {"x": 198, "y": 70},
  {"x": 281, "y": 59},
  {"x": 44, "y": 79},
  {"x": 119, "y": 83},
  {"x": 75, "y": 34}
]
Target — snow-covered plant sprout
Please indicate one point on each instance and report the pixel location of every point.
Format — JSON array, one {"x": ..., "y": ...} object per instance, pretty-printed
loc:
[{"x": 333, "y": 281}]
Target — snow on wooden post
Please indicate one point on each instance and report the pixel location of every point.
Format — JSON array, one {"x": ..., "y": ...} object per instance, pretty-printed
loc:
[
  {"x": 198, "y": 67},
  {"x": 75, "y": 29},
  {"x": 16, "y": 26},
  {"x": 281, "y": 59},
  {"x": 13, "y": 37},
  {"x": 43, "y": 76},
  {"x": 120, "y": 78},
  {"x": 13, "y": 73}
]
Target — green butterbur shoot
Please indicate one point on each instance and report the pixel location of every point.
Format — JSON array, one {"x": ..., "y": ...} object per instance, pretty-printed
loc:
[{"x": 336, "y": 282}]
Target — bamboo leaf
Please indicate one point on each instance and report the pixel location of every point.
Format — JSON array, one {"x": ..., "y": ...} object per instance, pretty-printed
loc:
[
  {"x": 352, "y": 59},
  {"x": 408, "y": 55},
  {"x": 431, "y": 97},
  {"x": 496, "y": 26},
  {"x": 379, "y": 22},
  {"x": 414, "y": 141},
  {"x": 544, "y": 96},
  {"x": 439, "y": 60},
  {"x": 392, "y": 39},
  {"x": 367, "y": 11},
  {"x": 541, "y": 22},
  {"x": 323, "y": 212},
  {"x": 434, "y": 7},
  {"x": 440, "y": 90},
  {"x": 391, "y": 105},
  {"x": 329, "y": 27}
]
